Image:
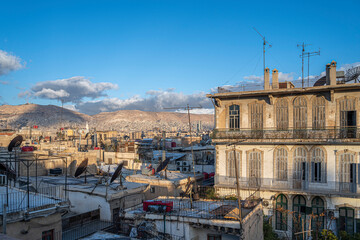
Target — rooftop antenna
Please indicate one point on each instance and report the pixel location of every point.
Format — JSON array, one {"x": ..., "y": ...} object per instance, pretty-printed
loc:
[
  {"x": 264, "y": 45},
  {"x": 302, "y": 56},
  {"x": 308, "y": 55},
  {"x": 188, "y": 108}
]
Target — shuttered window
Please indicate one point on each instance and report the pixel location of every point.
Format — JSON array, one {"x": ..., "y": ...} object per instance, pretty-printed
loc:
[
  {"x": 282, "y": 115},
  {"x": 281, "y": 159},
  {"x": 300, "y": 113},
  {"x": 318, "y": 166},
  {"x": 231, "y": 163},
  {"x": 318, "y": 113}
]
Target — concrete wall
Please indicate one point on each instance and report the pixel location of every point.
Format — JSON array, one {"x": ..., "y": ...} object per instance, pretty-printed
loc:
[
  {"x": 83, "y": 202},
  {"x": 33, "y": 228}
]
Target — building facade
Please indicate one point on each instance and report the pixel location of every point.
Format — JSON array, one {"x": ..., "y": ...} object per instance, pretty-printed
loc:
[{"x": 296, "y": 148}]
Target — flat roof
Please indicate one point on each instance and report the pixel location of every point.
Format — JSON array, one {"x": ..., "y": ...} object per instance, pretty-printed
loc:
[
  {"x": 18, "y": 200},
  {"x": 206, "y": 209}
]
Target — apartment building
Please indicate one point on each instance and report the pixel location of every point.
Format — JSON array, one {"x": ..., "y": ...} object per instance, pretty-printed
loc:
[{"x": 297, "y": 148}]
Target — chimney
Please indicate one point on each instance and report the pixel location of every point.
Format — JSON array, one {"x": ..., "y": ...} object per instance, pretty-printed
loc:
[
  {"x": 267, "y": 79},
  {"x": 331, "y": 73},
  {"x": 275, "y": 79}
]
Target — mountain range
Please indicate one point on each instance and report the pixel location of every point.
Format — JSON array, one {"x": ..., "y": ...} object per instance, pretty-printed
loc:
[{"x": 51, "y": 117}]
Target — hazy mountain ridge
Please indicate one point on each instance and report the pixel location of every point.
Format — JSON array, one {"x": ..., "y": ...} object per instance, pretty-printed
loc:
[{"x": 51, "y": 116}]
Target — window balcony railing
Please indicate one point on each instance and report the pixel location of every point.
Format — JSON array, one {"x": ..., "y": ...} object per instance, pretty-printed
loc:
[
  {"x": 351, "y": 189},
  {"x": 268, "y": 133}
]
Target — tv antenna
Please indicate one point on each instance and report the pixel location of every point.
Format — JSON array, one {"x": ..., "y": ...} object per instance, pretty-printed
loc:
[
  {"x": 188, "y": 108},
  {"x": 303, "y": 56},
  {"x": 264, "y": 45}
]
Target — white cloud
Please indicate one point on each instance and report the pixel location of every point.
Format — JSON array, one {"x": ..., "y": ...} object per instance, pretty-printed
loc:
[
  {"x": 9, "y": 63},
  {"x": 71, "y": 107},
  {"x": 51, "y": 94},
  {"x": 72, "y": 89},
  {"x": 155, "y": 100}
]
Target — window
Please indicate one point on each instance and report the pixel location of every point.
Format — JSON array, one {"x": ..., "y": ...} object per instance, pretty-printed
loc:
[
  {"x": 318, "y": 211},
  {"x": 281, "y": 159},
  {"x": 299, "y": 208},
  {"x": 318, "y": 113},
  {"x": 214, "y": 237},
  {"x": 48, "y": 235},
  {"x": 318, "y": 166},
  {"x": 231, "y": 163},
  {"x": 347, "y": 118},
  {"x": 347, "y": 168},
  {"x": 256, "y": 111},
  {"x": 300, "y": 164},
  {"x": 346, "y": 219},
  {"x": 254, "y": 168},
  {"x": 234, "y": 116},
  {"x": 152, "y": 189},
  {"x": 282, "y": 115},
  {"x": 300, "y": 117},
  {"x": 281, "y": 213}
]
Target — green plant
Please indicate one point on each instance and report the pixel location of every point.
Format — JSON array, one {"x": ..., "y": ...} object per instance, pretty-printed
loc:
[
  {"x": 269, "y": 233},
  {"x": 211, "y": 194},
  {"x": 327, "y": 235}
]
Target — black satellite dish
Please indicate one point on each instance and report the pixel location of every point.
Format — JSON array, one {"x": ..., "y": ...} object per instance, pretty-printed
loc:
[
  {"x": 163, "y": 165},
  {"x": 16, "y": 142},
  {"x": 5, "y": 168},
  {"x": 117, "y": 172},
  {"x": 81, "y": 168}
]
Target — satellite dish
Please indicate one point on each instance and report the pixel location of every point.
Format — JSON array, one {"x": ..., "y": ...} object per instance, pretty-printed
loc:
[
  {"x": 16, "y": 142},
  {"x": 163, "y": 165},
  {"x": 5, "y": 168},
  {"x": 81, "y": 168},
  {"x": 117, "y": 172}
]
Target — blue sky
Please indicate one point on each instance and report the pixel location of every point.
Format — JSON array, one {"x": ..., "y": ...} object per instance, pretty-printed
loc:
[{"x": 162, "y": 53}]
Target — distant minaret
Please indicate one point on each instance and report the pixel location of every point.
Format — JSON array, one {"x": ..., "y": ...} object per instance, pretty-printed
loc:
[{"x": 87, "y": 126}]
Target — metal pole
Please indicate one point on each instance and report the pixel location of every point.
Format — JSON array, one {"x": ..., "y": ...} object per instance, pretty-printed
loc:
[
  {"x": 237, "y": 183},
  {"x": 28, "y": 183},
  {"x": 192, "y": 150},
  {"x": 4, "y": 218},
  {"x": 308, "y": 70},
  {"x": 302, "y": 65}
]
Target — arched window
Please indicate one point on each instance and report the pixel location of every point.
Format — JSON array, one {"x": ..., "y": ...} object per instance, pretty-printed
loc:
[
  {"x": 299, "y": 208},
  {"x": 346, "y": 219},
  {"x": 318, "y": 113},
  {"x": 318, "y": 165},
  {"x": 281, "y": 213},
  {"x": 256, "y": 117},
  {"x": 318, "y": 211},
  {"x": 282, "y": 115},
  {"x": 281, "y": 160},
  {"x": 254, "y": 163},
  {"x": 347, "y": 168},
  {"x": 234, "y": 117},
  {"x": 300, "y": 159},
  {"x": 231, "y": 163},
  {"x": 300, "y": 113},
  {"x": 347, "y": 118}
]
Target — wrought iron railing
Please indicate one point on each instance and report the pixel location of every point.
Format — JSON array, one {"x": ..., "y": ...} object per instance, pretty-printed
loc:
[
  {"x": 20, "y": 200},
  {"x": 351, "y": 189},
  {"x": 269, "y": 133}
]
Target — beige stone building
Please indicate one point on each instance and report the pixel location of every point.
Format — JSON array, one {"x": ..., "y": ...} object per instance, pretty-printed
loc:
[{"x": 296, "y": 148}]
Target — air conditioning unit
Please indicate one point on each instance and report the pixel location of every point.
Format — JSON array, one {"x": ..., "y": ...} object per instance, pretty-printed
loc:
[
  {"x": 178, "y": 163},
  {"x": 185, "y": 169},
  {"x": 179, "y": 169},
  {"x": 184, "y": 163},
  {"x": 2, "y": 180}
]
